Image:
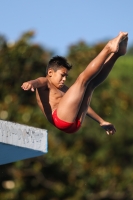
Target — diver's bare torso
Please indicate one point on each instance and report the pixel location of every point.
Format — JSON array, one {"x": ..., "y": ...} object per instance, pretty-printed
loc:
[{"x": 48, "y": 99}]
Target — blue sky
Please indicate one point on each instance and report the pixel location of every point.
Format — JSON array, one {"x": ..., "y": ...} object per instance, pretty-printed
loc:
[{"x": 60, "y": 23}]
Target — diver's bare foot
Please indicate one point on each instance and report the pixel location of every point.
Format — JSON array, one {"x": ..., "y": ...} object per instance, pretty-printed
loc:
[
  {"x": 113, "y": 45},
  {"x": 123, "y": 47}
]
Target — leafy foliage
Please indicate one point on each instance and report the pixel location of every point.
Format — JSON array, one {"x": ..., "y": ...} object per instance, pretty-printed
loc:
[{"x": 85, "y": 165}]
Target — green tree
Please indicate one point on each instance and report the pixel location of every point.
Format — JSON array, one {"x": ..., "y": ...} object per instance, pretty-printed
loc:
[{"x": 19, "y": 62}]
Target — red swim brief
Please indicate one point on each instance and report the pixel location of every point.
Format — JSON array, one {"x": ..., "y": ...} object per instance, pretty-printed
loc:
[{"x": 65, "y": 126}]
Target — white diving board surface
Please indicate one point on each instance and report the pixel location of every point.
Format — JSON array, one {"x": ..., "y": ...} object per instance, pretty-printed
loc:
[{"x": 18, "y": 142}]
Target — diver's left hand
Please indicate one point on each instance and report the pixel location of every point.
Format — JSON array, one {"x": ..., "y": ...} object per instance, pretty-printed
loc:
[{"x": 108, "y": 127}]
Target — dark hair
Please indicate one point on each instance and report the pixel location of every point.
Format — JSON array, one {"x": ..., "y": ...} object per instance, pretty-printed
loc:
[{"x": 58, "y": 62}]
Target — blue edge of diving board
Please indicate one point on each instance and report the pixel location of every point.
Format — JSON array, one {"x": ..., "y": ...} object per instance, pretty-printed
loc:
[{"x": 18, "y": 142}]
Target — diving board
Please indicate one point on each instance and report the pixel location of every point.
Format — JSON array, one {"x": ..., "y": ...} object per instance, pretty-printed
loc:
[{"x": 18, "y": 142}]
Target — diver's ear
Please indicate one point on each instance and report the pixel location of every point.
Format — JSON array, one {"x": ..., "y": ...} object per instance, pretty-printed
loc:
[{"x": 50, "y": 72}]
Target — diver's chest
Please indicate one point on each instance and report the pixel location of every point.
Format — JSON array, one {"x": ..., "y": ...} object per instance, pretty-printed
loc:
[{"x": 55, "y": 94}]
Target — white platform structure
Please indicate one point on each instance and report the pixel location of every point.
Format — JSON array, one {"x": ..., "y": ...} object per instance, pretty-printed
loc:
[{"x": 18, "y": 142}]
